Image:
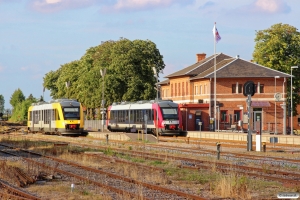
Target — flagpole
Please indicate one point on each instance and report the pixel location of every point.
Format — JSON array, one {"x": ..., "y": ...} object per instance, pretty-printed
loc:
[{"x": 215, "y": 82}]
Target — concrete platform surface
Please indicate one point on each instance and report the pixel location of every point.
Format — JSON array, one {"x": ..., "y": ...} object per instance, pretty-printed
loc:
[{"x": 265, "y": 137}]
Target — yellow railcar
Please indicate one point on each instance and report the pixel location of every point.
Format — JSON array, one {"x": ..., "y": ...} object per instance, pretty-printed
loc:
[{"x": 60, "y": 116}]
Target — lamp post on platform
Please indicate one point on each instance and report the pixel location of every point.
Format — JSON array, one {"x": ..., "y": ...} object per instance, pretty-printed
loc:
[
  {"x": 67, "y": 86},
  {"x": 275, "y": 106},
  {"x": 292, "y": 129},
  {"x": 102, "y": 72},
  {"x": 156, "y": 100}
]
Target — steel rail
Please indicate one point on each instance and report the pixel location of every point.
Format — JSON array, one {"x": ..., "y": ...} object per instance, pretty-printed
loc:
[{"x": 18, "y": 192}]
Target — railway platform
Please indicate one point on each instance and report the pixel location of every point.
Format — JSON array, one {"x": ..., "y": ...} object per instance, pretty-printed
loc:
[
  {"x": 241, "y": 136},
  {"x": 237, "y": 136}
]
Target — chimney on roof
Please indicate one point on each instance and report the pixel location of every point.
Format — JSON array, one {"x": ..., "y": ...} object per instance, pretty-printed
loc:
[{"x": 200, "y": 56}]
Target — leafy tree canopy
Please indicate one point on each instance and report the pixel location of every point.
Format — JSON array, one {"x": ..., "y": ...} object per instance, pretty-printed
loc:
[
  {"x": 129, "y": 74},
  {"x": 278, "y": 47},
  {"x": 16, "y": 97},
  {"x": 2, "y": 103},
  {"x": 21, "y": 107}
]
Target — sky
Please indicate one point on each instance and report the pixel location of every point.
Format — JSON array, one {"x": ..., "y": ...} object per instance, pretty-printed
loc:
[{"x": 38, "y": 36}]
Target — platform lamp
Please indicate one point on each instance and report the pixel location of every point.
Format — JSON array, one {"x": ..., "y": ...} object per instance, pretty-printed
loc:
[
  {"x": 275, "y": 105},
  {"x": 67, "y": 86},
  {"x": 292, "y": 129},
  {"x": 102, "y": 72},
  {"x": 156, "y": 74}
]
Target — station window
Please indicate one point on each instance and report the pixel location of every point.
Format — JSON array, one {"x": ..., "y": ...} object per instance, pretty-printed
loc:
[
  {"x": 237, "y": 115},
  {"x": 240, "y": 88},
  {"x": 233, "y": 88},
  {"x": 224, "y": 116},
  {"x": 187, "y": 88},
  {"x": 261, "y": 88}
]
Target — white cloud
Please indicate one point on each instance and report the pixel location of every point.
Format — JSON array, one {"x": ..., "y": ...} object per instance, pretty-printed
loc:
[
  {"x": 49, "y": 6},
  {"x": 137, "y": 4},
  {"x": 24, "y": 68},
  {"x": 52, "y": 1},
  {"x": 271, "y": 6},
  {"x": 130, "y": 5}
]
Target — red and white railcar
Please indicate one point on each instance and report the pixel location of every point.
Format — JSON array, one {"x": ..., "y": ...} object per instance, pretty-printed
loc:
[{"x": 142, "y": 115}]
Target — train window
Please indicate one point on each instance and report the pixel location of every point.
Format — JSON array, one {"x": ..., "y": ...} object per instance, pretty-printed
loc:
[
  {"x": 121, "y": 116},
  {"x": 138, "y": 116},
  {"x": 48, "y": 115},
  {"x": 35, "y": 116},
  {"x": 131, "y": 116},
  {"x": 142, "y": 113},
  {"x": 71, "y": 113},
  {"x": 170, "y": 113},
  {"x": 148, "y": 114},
  {"x": 112, "y": 114},
  {"x": 135, "y": 116},
  {"x": 126, "y": 116},
  {"x": 53, "y": 114}
]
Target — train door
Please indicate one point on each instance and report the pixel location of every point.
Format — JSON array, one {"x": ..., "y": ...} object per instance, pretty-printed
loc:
[
  {"x": 51, "y": 119},
  {"x": 32, "y": 113},
  {"x": 41, "y": 119},
  {"x": 197, "y": 120}
]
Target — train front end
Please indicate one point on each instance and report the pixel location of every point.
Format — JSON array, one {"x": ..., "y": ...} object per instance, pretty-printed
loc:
[
  {"x": 72, "y": 114},
  {"x": 171, "y": 120}
]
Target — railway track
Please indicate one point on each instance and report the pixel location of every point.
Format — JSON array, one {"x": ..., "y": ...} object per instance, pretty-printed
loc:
[
  {"x": 110, "y": 181},
  {"x": 267, "y": 173},
  {"x": 249, "y": 164},
  {"x": 7, "y": 191}
]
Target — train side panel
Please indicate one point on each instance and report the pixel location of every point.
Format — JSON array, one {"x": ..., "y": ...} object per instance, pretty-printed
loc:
[
  {"x": 131, "y": 117},
  {"x": 59, "y": 117}
]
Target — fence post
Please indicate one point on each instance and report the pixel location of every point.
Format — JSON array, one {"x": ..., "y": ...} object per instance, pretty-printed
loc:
[{"x": 218, "y": 150}]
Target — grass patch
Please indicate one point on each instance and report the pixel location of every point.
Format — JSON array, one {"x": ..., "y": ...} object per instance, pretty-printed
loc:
[{"x": 158, "y": 163}]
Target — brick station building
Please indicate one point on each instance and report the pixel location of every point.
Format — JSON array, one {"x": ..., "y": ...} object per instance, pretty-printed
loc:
[{"x": 193, "y": 88}]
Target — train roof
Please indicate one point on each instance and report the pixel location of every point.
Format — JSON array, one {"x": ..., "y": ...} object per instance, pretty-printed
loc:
[
  {"x": 63, "y": 102},
  {"x": 142, "y": 104}
]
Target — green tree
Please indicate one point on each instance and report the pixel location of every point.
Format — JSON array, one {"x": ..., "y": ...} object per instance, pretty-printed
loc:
[
  {"x": 16, "y": 97},
  {"x": 2, "y": 103},
  {"x": 278, "y": 47},
  {"x": 129, "y": 75},
  {"x": 21, "y": 109}
]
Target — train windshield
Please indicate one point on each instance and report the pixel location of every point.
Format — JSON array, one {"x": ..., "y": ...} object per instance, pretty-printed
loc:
[
  {"x": 169, "y": 113},
  {"x": 71, "y": 113}
]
